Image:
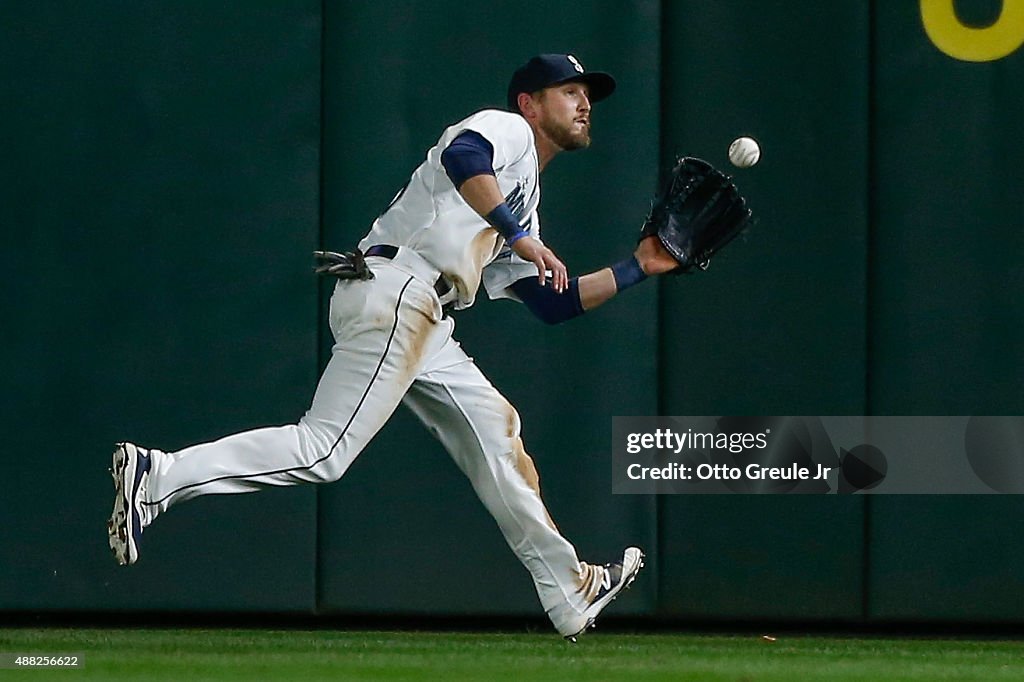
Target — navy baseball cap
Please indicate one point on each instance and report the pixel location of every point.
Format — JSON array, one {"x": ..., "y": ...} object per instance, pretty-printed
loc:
[{"x": 546, "y": 70}]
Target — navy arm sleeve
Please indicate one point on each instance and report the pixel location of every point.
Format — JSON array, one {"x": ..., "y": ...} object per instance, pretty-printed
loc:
[
  {"x": 546, "y": 303},
  {"x": 468, "y": 155}
]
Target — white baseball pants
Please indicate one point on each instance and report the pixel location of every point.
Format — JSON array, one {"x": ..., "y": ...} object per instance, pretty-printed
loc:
[{"x": 392, "y": 344}]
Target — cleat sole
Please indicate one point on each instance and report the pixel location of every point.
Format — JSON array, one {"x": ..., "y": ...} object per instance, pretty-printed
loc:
[{"x": 117, "y": 530}]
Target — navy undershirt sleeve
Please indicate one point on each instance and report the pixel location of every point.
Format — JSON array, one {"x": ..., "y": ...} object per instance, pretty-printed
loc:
[
  {"x": 546, "y": 303},
  {"x": 468, "y": 155}
]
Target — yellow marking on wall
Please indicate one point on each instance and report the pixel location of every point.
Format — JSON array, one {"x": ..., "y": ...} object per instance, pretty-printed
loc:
[{"x": 969, "y": 44}]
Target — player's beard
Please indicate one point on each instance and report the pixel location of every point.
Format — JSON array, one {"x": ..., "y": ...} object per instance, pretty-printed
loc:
[{"x": 568, "y": 137}]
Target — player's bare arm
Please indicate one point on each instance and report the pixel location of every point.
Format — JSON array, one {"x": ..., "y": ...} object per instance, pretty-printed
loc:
[
  {"x": 589, "y": 291},
  {"x": 483, "y": 195},
  {"x": 600, "y": 286}
]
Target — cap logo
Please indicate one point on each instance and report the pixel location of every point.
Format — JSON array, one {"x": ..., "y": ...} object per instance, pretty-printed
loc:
[{"x": 575, "y": 63}]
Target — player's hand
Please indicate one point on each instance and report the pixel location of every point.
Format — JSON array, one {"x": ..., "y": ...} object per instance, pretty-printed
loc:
[
  {"x": 653, "y": 257},
  {"x": 545, "y": 259}
]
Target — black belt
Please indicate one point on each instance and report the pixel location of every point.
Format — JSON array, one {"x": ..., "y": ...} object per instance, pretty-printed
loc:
[{"x": 441, "y": 286}]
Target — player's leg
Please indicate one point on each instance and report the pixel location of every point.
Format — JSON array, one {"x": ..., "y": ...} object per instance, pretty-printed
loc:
[
  {"x": 384, "y": 329},
  {"x": 481, "y": 431}
]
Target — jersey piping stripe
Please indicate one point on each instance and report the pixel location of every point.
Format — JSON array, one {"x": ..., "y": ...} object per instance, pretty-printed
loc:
[{"x": 362, "y": 399}]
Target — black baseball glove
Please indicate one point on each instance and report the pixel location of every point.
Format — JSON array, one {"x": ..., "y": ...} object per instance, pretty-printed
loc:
[
  {"x": 697, "y": 212},
  {"x": 347, "y": 265}
]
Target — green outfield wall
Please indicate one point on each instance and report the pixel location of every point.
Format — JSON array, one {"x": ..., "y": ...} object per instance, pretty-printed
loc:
[
  {"x": 169, "y": 169},
  {"x": 160, "y": 196}
]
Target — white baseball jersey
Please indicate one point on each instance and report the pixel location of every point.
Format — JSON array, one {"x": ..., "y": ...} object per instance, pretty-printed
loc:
[{"x": 431, "y": 217}]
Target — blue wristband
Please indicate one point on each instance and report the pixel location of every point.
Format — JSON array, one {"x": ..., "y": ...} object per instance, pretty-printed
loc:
[
  {"x": 516, "y": 237},
  {"x": 627, "y": 273},
  {"x": 504, "y": 222}
]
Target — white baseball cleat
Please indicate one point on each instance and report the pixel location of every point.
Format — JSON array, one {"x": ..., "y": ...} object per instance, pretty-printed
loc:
[
  {"x": 603, "y": 584},
  {"x": 131, "y": 475}
]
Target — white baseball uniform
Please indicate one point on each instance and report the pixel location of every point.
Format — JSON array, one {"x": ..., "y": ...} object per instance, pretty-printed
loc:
[{"x": 394, "y": 344}]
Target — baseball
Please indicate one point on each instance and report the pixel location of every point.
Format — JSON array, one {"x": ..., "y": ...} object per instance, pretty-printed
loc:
[{"x": 744, "y": 152}]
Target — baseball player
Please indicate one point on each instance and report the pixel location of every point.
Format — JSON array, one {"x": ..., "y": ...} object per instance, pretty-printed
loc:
[{"x": 467, "y": 215}]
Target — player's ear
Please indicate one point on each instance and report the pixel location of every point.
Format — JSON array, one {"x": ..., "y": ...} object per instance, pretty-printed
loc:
[{"x": 527, "y": 104}]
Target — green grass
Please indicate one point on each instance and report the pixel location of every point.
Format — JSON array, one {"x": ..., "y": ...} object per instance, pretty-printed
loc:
[{"x": 192, "y": 655}]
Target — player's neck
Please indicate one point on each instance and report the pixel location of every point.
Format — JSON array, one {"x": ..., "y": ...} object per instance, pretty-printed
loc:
[{"x": 546, "y": 149}]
